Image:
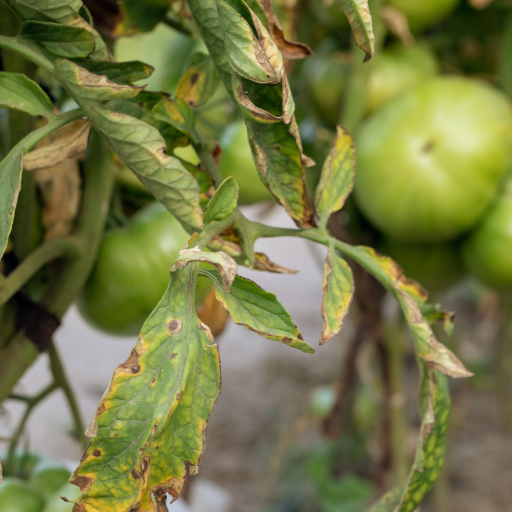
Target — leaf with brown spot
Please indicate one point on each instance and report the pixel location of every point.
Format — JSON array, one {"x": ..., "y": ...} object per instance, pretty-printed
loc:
[
  {"x": 338, "y": 290},
  {"x": 263, "y": 263},
  {"x": 67, "y": 142},
  {"x": 199, "y": 82},
  {"x": 145, "y": 433},
  {"x": 258, "y": 310}
]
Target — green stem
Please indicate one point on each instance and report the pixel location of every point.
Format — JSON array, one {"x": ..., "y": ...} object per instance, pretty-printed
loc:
[
  {"x": 28, "y": 50},
  {"x": 178, "y": 24},
  {"x": 59, "y": 375},
  {"x": 49, "y": 251},
  {"x": 208, "y": 162}
]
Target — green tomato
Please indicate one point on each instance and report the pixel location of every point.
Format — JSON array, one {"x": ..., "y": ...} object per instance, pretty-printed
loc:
[
  {"x": 488, "y": 249},
  {"x": 430, "y": 161},
  {"x": 435, "y": 266},
  {"x": 422, "y": 13},
  {"x": 327, "y": 75},
  {"x": 47, "y": 476},
  {"x": 321, "y": 401},
  {"x": 16, "y": 495},
  {"x": 398, "y": 69},
  {"x": 56, "y": 504},
  {"x": 131, "y": 272},
  {"x": 236, "y": 160}
]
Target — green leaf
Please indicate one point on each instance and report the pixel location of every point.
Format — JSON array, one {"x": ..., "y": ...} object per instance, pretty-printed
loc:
[
  {"x": 59, "y": 11},
  {"x": 176, "y": 113},
  {"x": 19, "y": 92},
  {"x": 118, "y": 72},
  {"x": 338, "y": 174},
  {"x": 430, "y": 451},
  {"x": 10, "y": 184},
  {"x": 199, "y": 82},
  {"x": 139, "y": 145},
  {"x": 411, "y": 298},
  {"x": 338, "y": 289},
  {"x": 60, "y": 40},
  {"x": 360, "y": 19},
  {"x": 226, "y": 266},
  {"x": 140, "y": 16},
  {"x": 223, "y": 202},
  {"x": 258, "y": 310},
  {"x": 151, "y": 420}
]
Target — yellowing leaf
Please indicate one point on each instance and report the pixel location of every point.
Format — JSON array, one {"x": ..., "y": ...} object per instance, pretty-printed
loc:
[
  {"x": 68, "y": 142},
  {"x": 360, "y": 19},
  {"x": 338, "y": 174},
  {"x": 338, "y": 289},
  {"x": 152, "y": 419},
  {"x": 262, "y": 262}
]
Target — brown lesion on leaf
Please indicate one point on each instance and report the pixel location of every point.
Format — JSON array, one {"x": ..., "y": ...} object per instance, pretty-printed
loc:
[
  {"x": 145, "y": 467},
  {"x": 134, "y": 508},
  {"x": 178, "y": 396},
  {"x": 135, "y": 474},
  {"x": 174, "y": 487},
  {"x": 83, "y": 482},
  {"x": 96, "y": 453},
  {"x": 173, "y": 355},
  {"x": 263, "y": 263},
  {"x": 194, "y": 77},
  {"x": 286, "y": 340},
  {"x": 132, "y": 363},
  {"x": 174, "y": 327}
]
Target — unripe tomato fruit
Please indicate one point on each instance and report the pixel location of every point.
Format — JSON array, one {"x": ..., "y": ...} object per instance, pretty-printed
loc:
[
  {"x": 430, "y": 161},
  {"x": 47, "y": 476},
  {"x": 488, "y": 250},
  {"x": 435, "y": 266},
  {"x": 422, "y": 13},
  {"x": 236, "y": 160},
  {"x": 16, "y": 495},
  {"x": 131, "y": 272},
  {"x": 56, "y": 504},
  {"x": 397, "y": 69}
]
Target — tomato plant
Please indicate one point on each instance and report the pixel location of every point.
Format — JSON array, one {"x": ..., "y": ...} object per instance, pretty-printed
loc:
[{"x": 87, "y": 150}]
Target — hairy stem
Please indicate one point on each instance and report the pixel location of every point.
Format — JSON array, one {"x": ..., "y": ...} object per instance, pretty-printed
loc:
[{"x": 48, "y": 251}]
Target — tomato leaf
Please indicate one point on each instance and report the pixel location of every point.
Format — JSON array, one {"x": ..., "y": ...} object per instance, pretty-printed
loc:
[
  {"x": 119, "y": 72},
  {"x": 411, "y": 297},
  {"x": 10, "y": 185},
  {"x": 226, "y": 266},
  {"x": 60, "y": 40},
  {"x": 337, "y": 178},
  {"x": 177, "y": 113},
  {"x": 20, "y": 93},
  {"x": 338, "y": 289},
  {"x": 151, "y": 420},
  {"x": 199, "y": 82},
  {"x": 263, "y": 263},
  {"x": 68, "y": 142},
  {"x": 139, "y": 145},
  {"x": 360, "y": 19},
  {"x": 430, "y": 451},
  {"x": 258, "y": 310},
  {"x": 62, "y": 11},
  {"x": 223, "y": 202}
]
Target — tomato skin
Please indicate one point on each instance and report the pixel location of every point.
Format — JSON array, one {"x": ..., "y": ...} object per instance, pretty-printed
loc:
[
  {"x": 17, "y": 496},
  {"x": 422, "y": 13},
  {"x": 236, "y": 160},
  {"x": 488, "y": 250},
  {"x": 430, "y": 161},
  {"x": 397, "y": 69},
  {"x": 47, "y": 476},
  {"x": 132, "y": 271}
]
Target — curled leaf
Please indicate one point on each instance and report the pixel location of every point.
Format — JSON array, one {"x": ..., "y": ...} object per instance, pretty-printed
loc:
[
  {"x": 177, "y": 113},
  {"x": 264, "y": 263},
  {"x": 67, "y": 142}
]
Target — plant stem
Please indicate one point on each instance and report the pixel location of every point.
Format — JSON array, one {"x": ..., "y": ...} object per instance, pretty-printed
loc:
[
  {"x": 50, "y": 250},
  {"x": 208, "y": 162},
  {"x": 28, "y": 50},
  {"x": 59, "y": 375}
]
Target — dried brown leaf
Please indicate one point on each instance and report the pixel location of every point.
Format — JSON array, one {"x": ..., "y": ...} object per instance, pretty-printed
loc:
[
  {"x": 263, "y": 263},
  {"x": 398, "y": 24}
]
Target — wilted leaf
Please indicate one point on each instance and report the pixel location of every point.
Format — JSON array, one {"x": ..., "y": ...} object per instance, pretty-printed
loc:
[
  {"x": 289, "y": 49},
  {"x": 119, "y": 72},
  {"x": 226, "y": 266},
  {"x": 177, "y": 113},
  {"x": 430, "y": 451},
  {"x": 360, "y": 19},
  {"x": 411, "y": 297},
  {"x": 138, "y": 144},
  {"x": 152, "y": 419},
  {"x": 258, "y": 310},
  {"x": 263, "y": 263},
  {"x": 61, "y": 40},
  {"x": 60, "y": 192},
  {"x": 19, "y": 92},
  {"x": 67, "y": 142},
  {"x": 338, "y": 174},
  {"x": 223, "y": 202},
  {"x": 199, "y": 82},
  {"x": 10, "y": 184},
  {"x": 211, "y": 313},
  {"x": 338, "y": 289}
]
